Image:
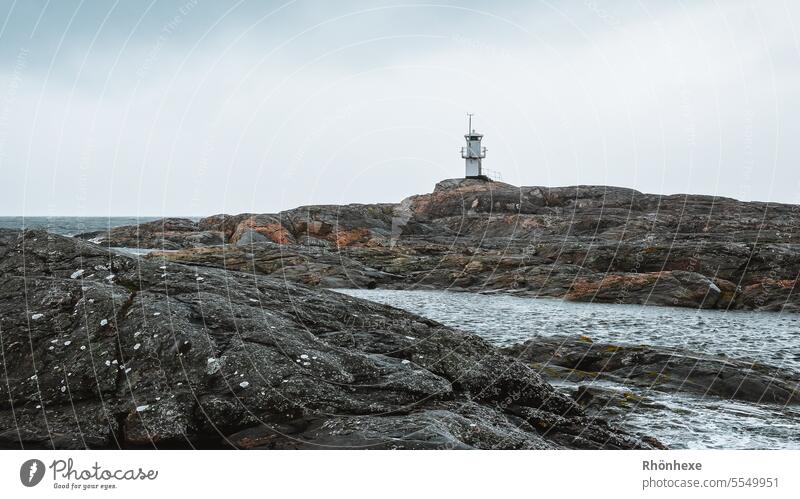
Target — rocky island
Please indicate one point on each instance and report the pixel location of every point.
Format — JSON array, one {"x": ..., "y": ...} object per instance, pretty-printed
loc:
[{"x": 581, "y": 243}]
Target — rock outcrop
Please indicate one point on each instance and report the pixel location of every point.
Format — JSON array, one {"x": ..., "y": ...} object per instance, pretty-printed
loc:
[
  {"x": 165, "y": 234},
  {"x": 585, "y": 243},
  {"x": 659, "y": 368},
  {"x": 102, "y": 350}
]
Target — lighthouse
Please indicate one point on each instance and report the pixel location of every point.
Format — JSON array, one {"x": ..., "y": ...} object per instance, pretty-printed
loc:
[{"x": 473, "y": 153}]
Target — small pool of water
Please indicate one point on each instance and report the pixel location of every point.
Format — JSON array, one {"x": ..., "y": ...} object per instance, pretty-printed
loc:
[{"x": 138, "y": 251}]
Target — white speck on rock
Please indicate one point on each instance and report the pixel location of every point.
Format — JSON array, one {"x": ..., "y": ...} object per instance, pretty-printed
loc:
[
  {"x": 36, "y": 317},
  {"x": 83, "y": 347},
  {"x": 199, "y": 279},
  {"x": 104, "y": 322},
  {"x": 108, "y": 363},
  {"x": 405, "y": 361},
  {"x": 137, "y": 346},
  {"x": 110, "y": 276},
  {"x": 67, "y": 343},
  {"x": 127, "y": 370},
  {"x": 163, "y": 267},
  {"x": 76, "y": 274},
  {"x": 63, "y": 389},
  {"x": 410, "y": 338},
  {"x": 244, "y": 384},
  {"x": 306, "y": 363},
  {"x": 142, "y": 408},
  {"x": 212, "y": 366},
  {"x": 156, "y": 314},
  {"x": 304, "y": 356}
]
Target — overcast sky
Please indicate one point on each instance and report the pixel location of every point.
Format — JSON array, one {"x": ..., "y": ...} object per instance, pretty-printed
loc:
[{"x": 193, "y": 107}]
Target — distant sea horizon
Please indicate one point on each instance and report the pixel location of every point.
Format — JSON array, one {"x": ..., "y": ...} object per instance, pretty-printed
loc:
[{"x": 73, "y": 225}]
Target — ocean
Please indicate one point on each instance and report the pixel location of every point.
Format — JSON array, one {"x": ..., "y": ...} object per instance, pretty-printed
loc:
[
  {"x": 70, "y": 226},
  {"x": 680, "y": 420}
]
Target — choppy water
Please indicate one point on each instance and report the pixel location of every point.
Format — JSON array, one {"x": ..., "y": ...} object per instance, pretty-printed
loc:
[
  {"x": 771, "y": 338},
  {"x": 686, "y": 420}
]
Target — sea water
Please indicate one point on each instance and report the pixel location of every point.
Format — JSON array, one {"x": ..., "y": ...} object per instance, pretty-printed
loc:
[{"x": 678, "y": 420}]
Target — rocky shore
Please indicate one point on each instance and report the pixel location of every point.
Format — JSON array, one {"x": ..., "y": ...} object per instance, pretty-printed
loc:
[
  {"x": 582, "y": 243},
  {"x": 257, "y": 354},
  {"x": 580, "y": 360},
  {"x": 104, "y": 350}
]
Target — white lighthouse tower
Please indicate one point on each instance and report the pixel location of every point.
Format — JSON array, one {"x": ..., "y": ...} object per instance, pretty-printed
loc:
[{"x": 473, "y": 153}]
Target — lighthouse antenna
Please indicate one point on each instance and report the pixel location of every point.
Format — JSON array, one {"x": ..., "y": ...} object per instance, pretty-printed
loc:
[{"x": 469, "y": 130}]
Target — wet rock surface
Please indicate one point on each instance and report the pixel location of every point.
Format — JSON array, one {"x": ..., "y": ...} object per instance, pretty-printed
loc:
[
  {"x": 106, "y": 351},
  {"x": 579, "y": 360},
  {"x": 583, "y": 243}
]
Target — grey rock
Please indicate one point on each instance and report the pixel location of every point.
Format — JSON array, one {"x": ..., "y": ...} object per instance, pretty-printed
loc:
[
  {"x": 249, "y": 237},
  {"x": 153, "y": 353},
  {"x": 660, "y": 368}
]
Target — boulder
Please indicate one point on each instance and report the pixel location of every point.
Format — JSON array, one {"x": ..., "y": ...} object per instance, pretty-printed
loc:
[{"x": 249, "y": 237}]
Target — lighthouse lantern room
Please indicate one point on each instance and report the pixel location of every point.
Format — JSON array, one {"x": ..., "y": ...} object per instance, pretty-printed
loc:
[{"x": 473, "y": 153}]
